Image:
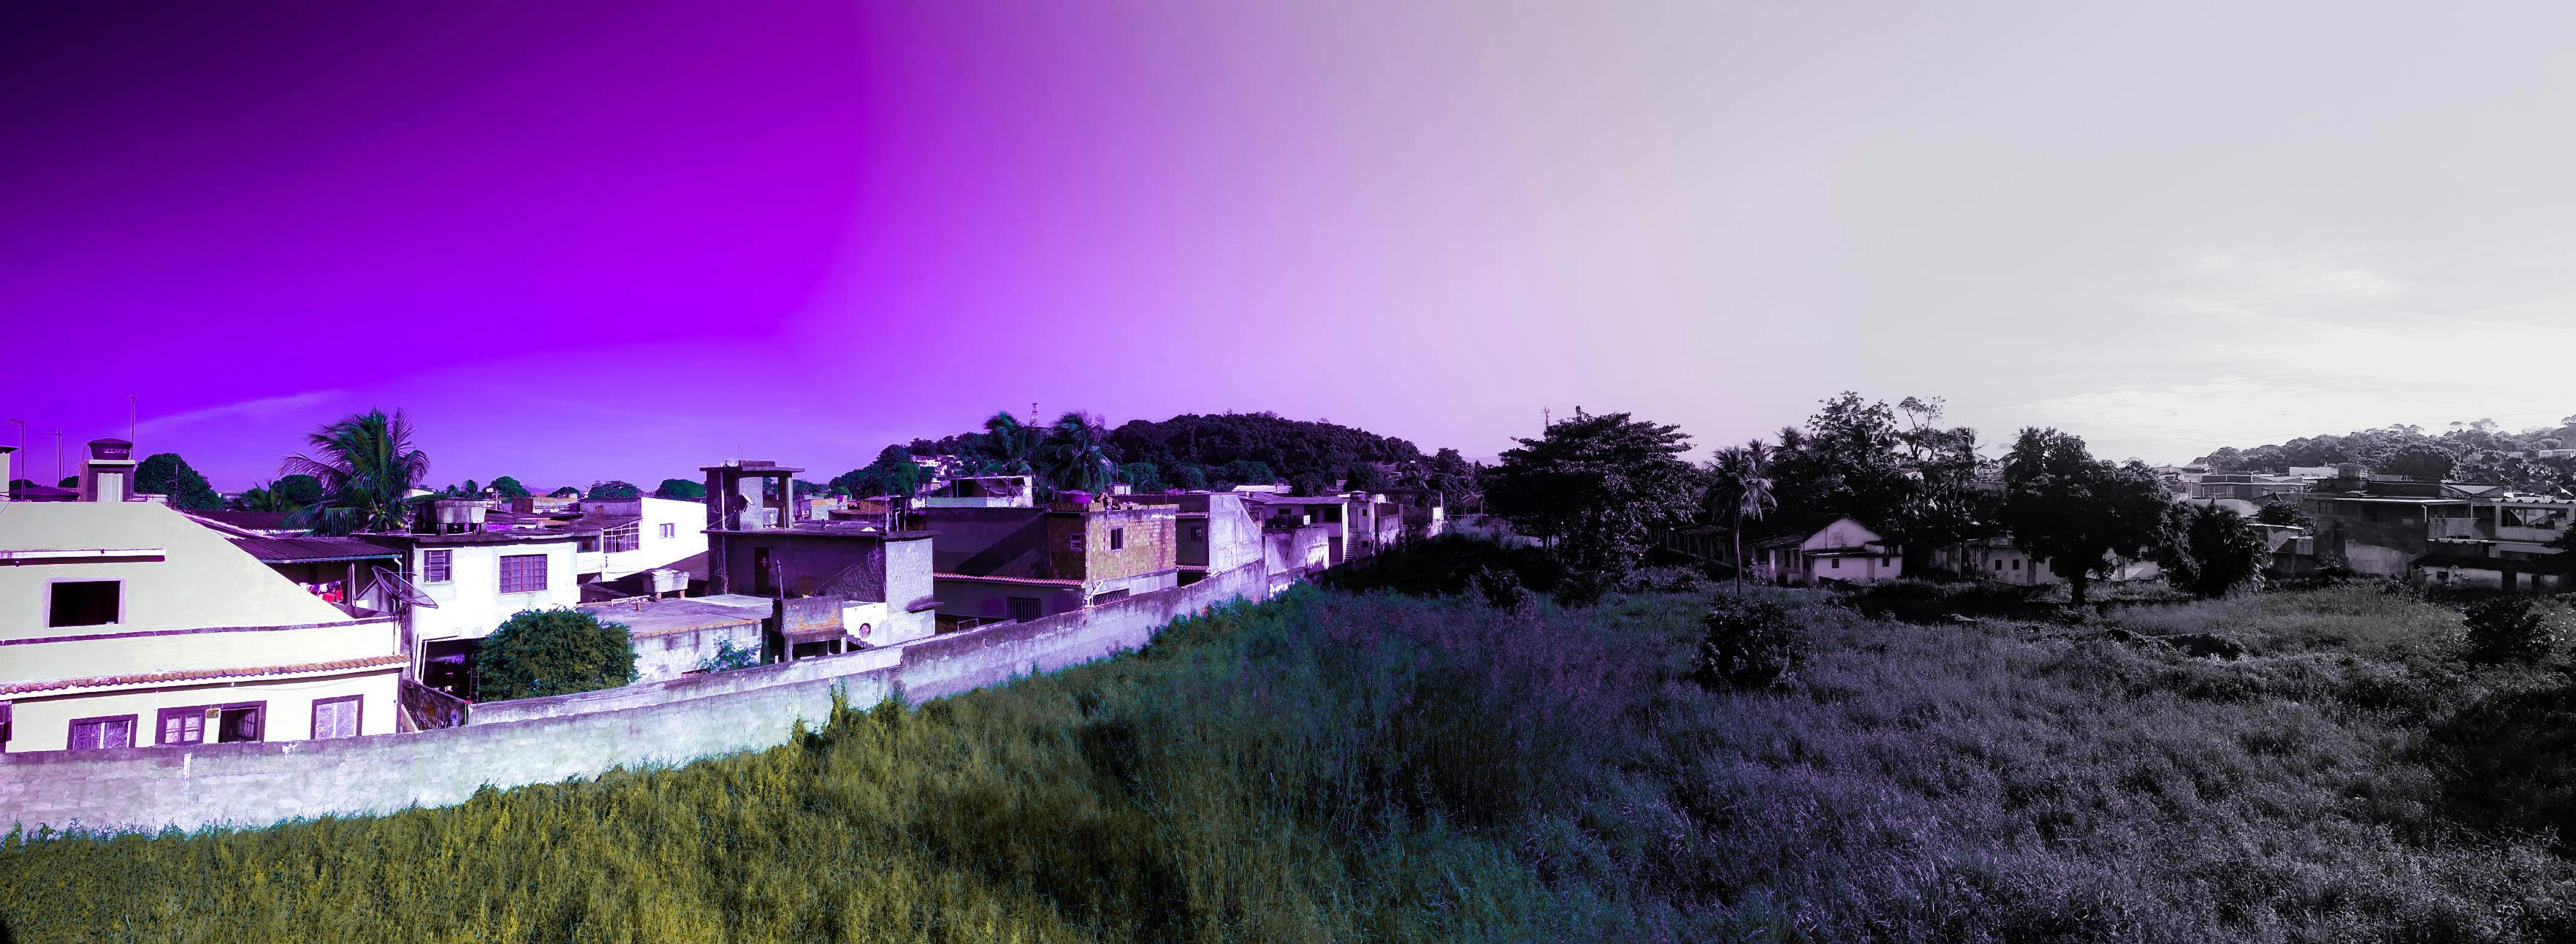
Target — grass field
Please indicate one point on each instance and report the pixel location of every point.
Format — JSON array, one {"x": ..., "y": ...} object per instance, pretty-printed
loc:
[{"x": 1339, "y": 767}]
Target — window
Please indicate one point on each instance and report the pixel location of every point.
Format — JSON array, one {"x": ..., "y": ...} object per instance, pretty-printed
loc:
[
  {"x": 335, "y": 717},
  {"x": 623, "y": 538},
  {"x": 588, "y": 544},
  {"x": 523, "y": 573},
  {"x": 2016, "y": 563},
  {"x": 1073, "y": 542},
  {"x": 184, "y": 725},
  {"x": 84, "y": 603},
  {"x": 1024, "y": 608},
  {"x": 98, "y": 734},
  {"x": 1117, "y": 539},
  {"x": 437, "y": 566},
  {"x": 670, "y": 530},
  {"x": 1999, "y": 565},
  {"x": 1198, "y": 532},
  {"x": 240, "y": 722}
]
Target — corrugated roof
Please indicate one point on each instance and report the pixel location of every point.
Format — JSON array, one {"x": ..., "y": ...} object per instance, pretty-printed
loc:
[{"x": 311, "y": 550}]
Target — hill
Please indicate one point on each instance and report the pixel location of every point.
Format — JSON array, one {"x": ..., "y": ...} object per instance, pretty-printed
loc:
[{"x": 2477, "y": 452}]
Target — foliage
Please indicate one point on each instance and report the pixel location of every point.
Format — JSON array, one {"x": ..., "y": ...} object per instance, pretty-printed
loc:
[
  {"x": 1075, "y": 455},
  {"x": 613, "y": 488},
  {"x": 289, "y": 493},
  {"x": 1446, "y": 565},
  {"x": 730, "y": 656},
  {"x": 1366, "y": 477},
  {"x": 1448, "y": 474},
  {"x": 2282, "y": 510},
  {"x": 1327, "y": 767},
  {"x": 1748, "y": 644},
  {"x": 1008, "y": 446},
  {"x": 508, "y": 487},
  {"x": 367, "y": 466},
  {"x": 553, "y": 652},
  {"x": 2508, "y": 628},
  {"x": 164, "y": 473},
  {"x": 892, "y": 473},
  {"x": 568, "y": 491},
  {"x": 2075, "y": 511},
  {"x": 1142, "y": 476},
  {"x": 1739, "y": 490},
  {"x": 2477, "y": 451},
  {"x": 1224, "y": 448},
  {"x": 680, "y": 489},
  {"x": 1594, "y": 487},
  {"x": 2207, "y": 550},
  {"x": 2419, "y": 460}
]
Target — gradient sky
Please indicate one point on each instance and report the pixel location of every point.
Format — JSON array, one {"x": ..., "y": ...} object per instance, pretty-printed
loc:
[{"x": 624, "y": 240}]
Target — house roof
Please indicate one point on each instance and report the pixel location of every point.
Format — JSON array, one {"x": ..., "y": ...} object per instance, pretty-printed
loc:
[
  {"x": 245, "y": 520},
  {"x": 314, "y": 550},
  {"x": 650, "y": 618},
  {"x": 191, "y": 675}
]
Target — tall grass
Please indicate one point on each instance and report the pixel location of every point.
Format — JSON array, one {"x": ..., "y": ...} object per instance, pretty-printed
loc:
[{"x": 1338, "y": 767}]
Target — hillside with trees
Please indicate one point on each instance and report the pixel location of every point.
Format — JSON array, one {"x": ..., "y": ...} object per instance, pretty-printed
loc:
[
  {"x": 1190, "y": 451},
  {"x": 2478, "y": 451}
]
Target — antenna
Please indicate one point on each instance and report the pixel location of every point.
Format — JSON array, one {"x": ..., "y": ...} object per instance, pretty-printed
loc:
[
  {"x": 129, "y": 417},
  {"x": 58, "y": 453},
  {"x": 1033, "y": 412},
  {"x": 1546, "y": 418}
]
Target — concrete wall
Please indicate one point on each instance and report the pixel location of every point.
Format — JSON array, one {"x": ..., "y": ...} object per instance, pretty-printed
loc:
[{"x": 509, "y": 744}]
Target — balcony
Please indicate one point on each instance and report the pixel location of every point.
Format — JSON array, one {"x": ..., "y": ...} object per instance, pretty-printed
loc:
[{"x": 2452, "y": 528}]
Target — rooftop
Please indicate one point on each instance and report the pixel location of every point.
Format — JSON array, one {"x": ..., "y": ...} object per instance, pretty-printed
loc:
[
  {"x": 314, "y": 550},
  {"x": 648, "y": 618}
]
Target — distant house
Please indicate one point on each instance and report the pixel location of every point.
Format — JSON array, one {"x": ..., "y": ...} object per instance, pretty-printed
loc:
[
  {"x": 1842, "y": 550},
  {"x": 983, "y": 491},
  {"x": 126, "y": 624},
  {"x": 1214, "y": 533},
  {"x": 637, "y": 535},
  {"x": 465, "y": 572},
  {"x": 1996, "y": 559},
  {"x": 1000, "y": 563},
  {"x": 832, "y": 586}
]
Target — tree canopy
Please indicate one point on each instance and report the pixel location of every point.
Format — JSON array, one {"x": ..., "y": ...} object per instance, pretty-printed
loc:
[
  {"x": 614, "y": 488},
  {"x": 1594, "y": 487},
  {"x": 2075, "y": 511},
  {"x": 681, "y": 489},
  {"x": 553, "y": 652},
  {"x": 893, "y": 473},
  {"x": 508, "y": 487},
  {"x": 2469, "y": 451},
  {"x": 164, "y": 473},
  {"x": 2207, "y": 550},
  {"x": 367, "y": 466}
]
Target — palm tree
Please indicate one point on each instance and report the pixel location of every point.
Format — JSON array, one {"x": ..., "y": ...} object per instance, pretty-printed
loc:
[
  {"x": 1009, "y": 445},
  {"x": 1075, "y": 455},
  {"x": 263, "y": 497},
  {"x": 368, "y": 467},
  {"x": 1742, "y": 490}
]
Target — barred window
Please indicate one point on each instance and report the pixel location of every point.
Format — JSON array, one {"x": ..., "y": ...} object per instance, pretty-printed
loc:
[
  {"x": 623, "y": 538},
  {"x": 523, "y": 573},
  {"x": 437, "y": 566}
]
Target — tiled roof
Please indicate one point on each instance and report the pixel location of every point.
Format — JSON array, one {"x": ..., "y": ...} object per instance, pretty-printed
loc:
[
  {"x": 313, "y": 550},
  {"x": 193, "y": 675}
]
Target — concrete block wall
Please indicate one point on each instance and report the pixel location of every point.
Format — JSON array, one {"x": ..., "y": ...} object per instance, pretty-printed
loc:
[{"x": 543, "y": 740}]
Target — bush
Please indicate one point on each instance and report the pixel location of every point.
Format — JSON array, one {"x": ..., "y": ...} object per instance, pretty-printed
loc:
[
  {"x": 1443, "y": 566},
  {"x": 1501, "y": 589},
  {"x": 729, "y": 657},
  {"x": 2508, "y": 628},
  {"x": 553, "y": 652},
  {"x": 1749, "y": 644}
]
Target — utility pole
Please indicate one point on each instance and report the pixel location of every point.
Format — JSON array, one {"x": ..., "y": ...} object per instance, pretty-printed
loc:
[
  {"x": 129, "y": 417},
  {"x": 58, "y": 454},
  {"x": 22, "y": 450}
]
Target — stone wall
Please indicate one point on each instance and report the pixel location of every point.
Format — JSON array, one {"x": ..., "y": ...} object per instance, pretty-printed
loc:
[{"x": 542, "y": 740}]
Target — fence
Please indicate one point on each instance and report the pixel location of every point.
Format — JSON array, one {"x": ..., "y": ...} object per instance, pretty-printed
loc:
[{"x": 541, "y": 740}]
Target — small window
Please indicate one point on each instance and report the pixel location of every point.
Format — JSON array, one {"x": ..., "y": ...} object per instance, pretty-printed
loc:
[
  {"x": 99, "y": 734},
  {"x": 1198, "y": 532},
  {"x": 437, "y": 566},
  {"x": 240, "y": 722},
  {"x": 335, "y": 717},
  {"x": 2016, "y": 563},
  {"x": 84, "y": 603},
  {"x": 1117, "y": 539},
  {"x": 1838, "y": 563},
  {"x": 1024, "y": 608},
  {"x": 184, "y": 725},
  {"x": 1073, "y": 542},
  {"x": 523, "y": 573},
  {"x": 670, "y": 530}
]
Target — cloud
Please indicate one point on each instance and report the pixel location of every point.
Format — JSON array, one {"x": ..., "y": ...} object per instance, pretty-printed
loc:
[{"x": 265, "y": 408}]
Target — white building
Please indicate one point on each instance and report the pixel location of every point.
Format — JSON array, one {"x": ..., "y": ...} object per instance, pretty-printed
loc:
[
  {"x": 1844, "y": 551},
  {"x": 465, "y": 581},
  {"x": 639, "y": 534},
  {"x": 126, "y": 624}
]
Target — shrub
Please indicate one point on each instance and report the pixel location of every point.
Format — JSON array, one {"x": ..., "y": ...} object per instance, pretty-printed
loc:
[
  {"x": 1442, "y": 566},
  {"x": 553, "y": 652},
  {"x": 1749, "y": 644},
  {"x": 2508, "y": 627},
  {"x": 729, "y": 657},
  {"x": 1501, "y": 589}
]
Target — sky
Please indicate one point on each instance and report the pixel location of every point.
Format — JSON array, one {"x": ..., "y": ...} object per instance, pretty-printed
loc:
[{"x": 582, "y": 241}]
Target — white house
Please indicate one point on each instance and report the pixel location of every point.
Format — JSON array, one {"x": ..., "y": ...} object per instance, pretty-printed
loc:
[
  {"x": 1998, "y": 560},
  {"x": 126, "y": 624},
  {"x": 465, "y": 581},
  {"x": 1844, "y": 551},
  {"x": 640, "y": 534}
]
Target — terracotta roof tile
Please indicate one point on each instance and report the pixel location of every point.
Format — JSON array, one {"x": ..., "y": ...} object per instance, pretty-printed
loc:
[{"x": 192, "y": 675}]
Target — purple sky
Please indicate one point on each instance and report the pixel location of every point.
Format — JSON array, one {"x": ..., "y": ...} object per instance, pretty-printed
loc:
[{"x": 605, "y": 240}]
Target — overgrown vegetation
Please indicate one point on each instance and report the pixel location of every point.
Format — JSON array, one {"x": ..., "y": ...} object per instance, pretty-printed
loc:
[
  {"x": 553, "y": 652},
  {"x": 1338, "y": 767}
]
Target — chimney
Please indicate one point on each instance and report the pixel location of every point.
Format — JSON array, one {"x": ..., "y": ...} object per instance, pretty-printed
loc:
[{"x": 108, "y": 474}]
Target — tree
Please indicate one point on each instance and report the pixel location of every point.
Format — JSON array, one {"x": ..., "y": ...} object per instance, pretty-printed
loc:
[
  {"x": 367, "y": 466},
  {"x": 2420, "y": 460},
  {"x": 287, "y": 494},
  {"x": 1365, "y": 477},
  {"x": 553, "y": 652},
  {"x": 2508, "y": 627},
  {"x": 1914, "y": 483},
  {"x": 164, "y": 473},
  {"x": 508, "y": 487},
  {"x": 2075, "y": 511},
  {"x": 1451, "y": 475},
  {"x": 1142, "y": 477},
  {"x": 2207, "y": 550},
  {"x": 1075, "y": 455},
  {"x": 1740, "y": 491},
  {"x": 567, "y": 491},
  {"x": 893, "y": 473},
  {"x": 613, "y": 488},
  {"x": 1009, "y": 447},
  {"x": 1190, "y": 477},
  {"x": 680, "y": 489},
  {"x": 2283, "y": 511},
  {"x": 1594, "y": 487}
]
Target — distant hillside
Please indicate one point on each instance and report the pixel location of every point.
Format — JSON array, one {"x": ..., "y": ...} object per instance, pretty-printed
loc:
[
  {"x": 1213, "y": 450},
  {"x": 2478, "y": 451}
]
